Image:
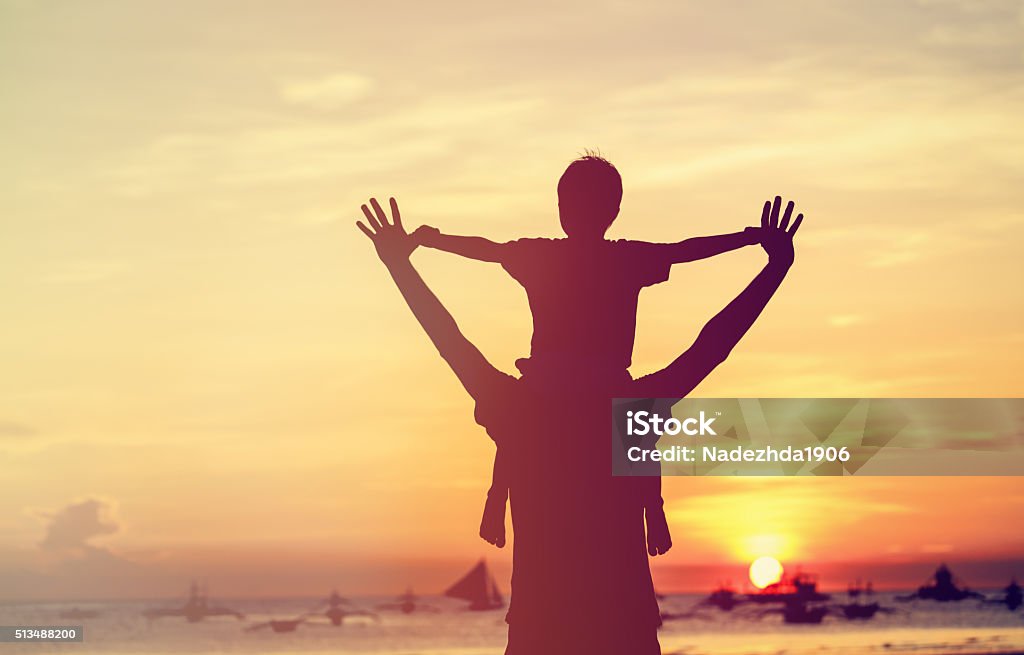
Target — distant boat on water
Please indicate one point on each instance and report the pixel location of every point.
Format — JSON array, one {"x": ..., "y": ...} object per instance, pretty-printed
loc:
[
  {"x": 801, "y": 587},
  {"x": 860, "y": 611},
  {"x": 724, "y": 598},
  {"x": 1012, "y": 596},
  {"x": 479, "y": 588},
  {"x": 942, "y": 587},
  {"x": 855, "y": 610},
  {"x": 76, "y": 613},
  {"x": 798, "y": 611},
  {"x": 195, "y": 609},
  {"x": 337, "y": 611},
  {"x": 277, "y": 625},
  {"x": 855, "y": 589},
  {"x": 407, "y": 603}
]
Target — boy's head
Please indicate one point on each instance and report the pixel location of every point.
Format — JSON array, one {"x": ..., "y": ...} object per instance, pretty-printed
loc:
[{"x": 589, "y": 193}]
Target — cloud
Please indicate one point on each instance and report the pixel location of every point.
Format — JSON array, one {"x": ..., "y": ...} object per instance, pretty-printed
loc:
[
  {"x": 72, "y": 527},
  {"x": 936, "y": 549},
  {"x": 329, "y": 92},
  {"x": 416, "y": 136},
  {"x": 66, "y": 564},
  {"x": 16, "y": 430}
]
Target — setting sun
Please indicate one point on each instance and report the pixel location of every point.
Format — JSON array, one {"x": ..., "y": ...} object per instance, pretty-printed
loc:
[{"x": 765, "y": 571}]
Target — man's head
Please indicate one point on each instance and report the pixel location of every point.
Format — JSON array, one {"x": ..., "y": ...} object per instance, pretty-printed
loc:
[{"x": 589, "y": 193}]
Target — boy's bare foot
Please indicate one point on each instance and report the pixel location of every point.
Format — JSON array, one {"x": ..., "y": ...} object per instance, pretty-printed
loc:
[
  {"x": 659, "y": 541},
  {"x": 492, "y": 525}
]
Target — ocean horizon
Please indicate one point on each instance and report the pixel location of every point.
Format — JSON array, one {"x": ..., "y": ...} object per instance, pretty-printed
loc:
[{"x": 446, "y": 627}]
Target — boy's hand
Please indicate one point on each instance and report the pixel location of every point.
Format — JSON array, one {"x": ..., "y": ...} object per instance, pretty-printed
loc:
[
  {"x": 424, "y": 234},
  {"x": 776, "y": 239},
  {"x": 392, "y": 242}
]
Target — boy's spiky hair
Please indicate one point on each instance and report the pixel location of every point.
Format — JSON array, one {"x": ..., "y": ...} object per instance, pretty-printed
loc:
[
  {"x": 591, "y": 185},
  {"x": 594, "y": 160}
]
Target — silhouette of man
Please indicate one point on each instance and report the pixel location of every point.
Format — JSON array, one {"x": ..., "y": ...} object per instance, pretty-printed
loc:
[
  {"x": 581, "y": 579},
  {"x": 583, "y": 292}
]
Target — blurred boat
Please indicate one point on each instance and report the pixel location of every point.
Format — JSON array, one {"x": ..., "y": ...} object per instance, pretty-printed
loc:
[
  {"x": 724, "y": 598},
  {"x": 1012, "y": 596},
  {"x": 407, "y": 603},
  {"x": 855, "y": 589},
  {"x": 798, "y": 611},
  {"x": 855, "y": 610},
  {"x": 802, "y": 588},
  {"x": 942, "y": 587},
  {"x": 337, "y": 611},
  {"x": 75, "y": 613},
  {"x": 479, "y": 588},
  {"x": 195, "y": 609},
  {"x": 277, "y": 625},
  {"x": 860, "y": 611}
]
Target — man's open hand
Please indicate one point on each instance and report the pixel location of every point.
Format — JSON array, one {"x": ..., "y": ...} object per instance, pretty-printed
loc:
[
  {"x": 392, "y": 242},
  {"x": 776, "y": 235}
]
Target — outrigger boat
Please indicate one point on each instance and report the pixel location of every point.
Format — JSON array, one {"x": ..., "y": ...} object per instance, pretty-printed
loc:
[
  {"x": 407, "y": 603},
  {"x": 277, "y": 625},
  {"x": 942, "y": 588},
  {"x": 337, "y": 611},
  {"x": 801, "y": 587},
  {"x": 195, "y": 609},
  {"x": 724, "y": 598},
  {"x": 798, "y": 611},
  {"x": 1012, "y": 596},
  {"x": 856, "y": 610}
]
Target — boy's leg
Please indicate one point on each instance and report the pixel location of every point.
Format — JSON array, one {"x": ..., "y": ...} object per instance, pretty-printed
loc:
[
  {"x": 659, "y": 541},
  {"x": 492, "y": 525}
]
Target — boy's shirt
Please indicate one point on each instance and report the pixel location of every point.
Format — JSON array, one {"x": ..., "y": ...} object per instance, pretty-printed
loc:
[{"x": 583, "y": 297}]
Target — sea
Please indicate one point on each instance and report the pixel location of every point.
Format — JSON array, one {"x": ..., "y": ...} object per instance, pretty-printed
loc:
[{"x": 446, "y": 627}]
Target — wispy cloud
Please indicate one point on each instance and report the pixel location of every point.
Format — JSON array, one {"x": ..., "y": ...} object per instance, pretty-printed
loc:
[
  {"x": 330, "y": 92},
  {"x": 16, "y": 430}
]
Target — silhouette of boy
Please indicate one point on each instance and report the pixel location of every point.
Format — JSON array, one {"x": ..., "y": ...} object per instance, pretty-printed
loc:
[{"x": 583, "y": 292}]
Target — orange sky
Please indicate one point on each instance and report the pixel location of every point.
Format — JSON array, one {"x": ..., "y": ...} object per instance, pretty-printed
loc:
[{"x": 206, "y": 372}]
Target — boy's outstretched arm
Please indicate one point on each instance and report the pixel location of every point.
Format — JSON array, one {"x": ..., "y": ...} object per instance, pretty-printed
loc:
[
  {"x": 394, "y": 246},
  {"x": 704, "y": 247},
  {"x": 477, "y": 248},
  {"x": 725, "y": 330}
]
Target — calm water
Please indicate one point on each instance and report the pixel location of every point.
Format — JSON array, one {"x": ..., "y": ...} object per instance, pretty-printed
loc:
[{"x": 918, "y": 627}]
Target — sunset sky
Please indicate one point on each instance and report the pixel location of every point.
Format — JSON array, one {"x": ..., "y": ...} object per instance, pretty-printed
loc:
[{"x": 204, "y": 370}]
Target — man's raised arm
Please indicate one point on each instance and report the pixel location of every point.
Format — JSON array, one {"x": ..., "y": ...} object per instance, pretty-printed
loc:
[
  {"x": 724, "y": 331},
  {"x": 394, "y": 246}
]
